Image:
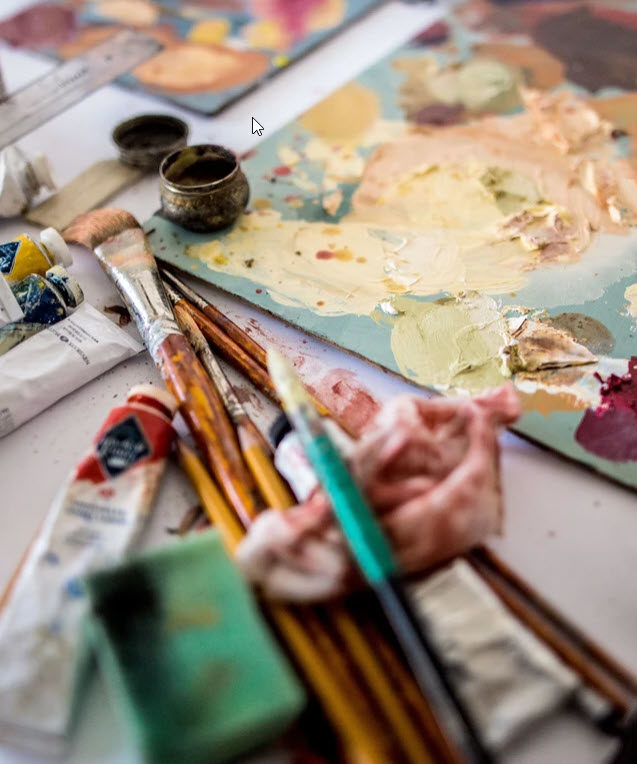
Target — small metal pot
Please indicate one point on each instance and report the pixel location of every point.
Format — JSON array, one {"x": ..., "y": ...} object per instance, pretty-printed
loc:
[{"x": 203, "y": 188}]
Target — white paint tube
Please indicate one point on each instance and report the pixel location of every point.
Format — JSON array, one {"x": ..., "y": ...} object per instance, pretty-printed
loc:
[
  {"x": 21, "y": 180},
  {"x": 95, "y": 518},
  {"x": 56, "y": 361},
  {"x": 507, "y": 676}
]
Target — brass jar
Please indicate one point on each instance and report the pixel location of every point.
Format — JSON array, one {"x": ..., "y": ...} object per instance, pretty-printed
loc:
[{"x": 203, "y": 188}]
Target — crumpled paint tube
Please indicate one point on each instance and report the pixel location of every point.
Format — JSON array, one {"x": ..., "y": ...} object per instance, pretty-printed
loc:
[
  {"x": 95, "y": 518},
  {"x": 508, "y": 677},
  {"x": 21, "y": 180},
  {"x": 44, "y": 300},
  {"x": 10, "y": 309},
  {"x": 58, "y": 360}
]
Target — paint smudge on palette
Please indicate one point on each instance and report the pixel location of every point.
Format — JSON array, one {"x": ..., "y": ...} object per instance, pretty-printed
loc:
[
  {"x": 214, "y": 51},
  {"x": 463, "y": 213},
  {"x": 341, "y": 391}
]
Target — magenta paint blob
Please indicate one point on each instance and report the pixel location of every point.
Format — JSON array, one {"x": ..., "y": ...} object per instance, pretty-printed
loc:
[
  {"x": 610, "y": 430},
  {"x": 40, "y": 26}
]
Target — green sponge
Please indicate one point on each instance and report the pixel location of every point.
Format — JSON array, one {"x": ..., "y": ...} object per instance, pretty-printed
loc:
[{"x": 187, "y": 656}]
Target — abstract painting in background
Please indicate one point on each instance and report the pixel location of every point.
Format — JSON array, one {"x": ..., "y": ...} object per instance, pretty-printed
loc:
[
  {"x": 465, "y": 213},
  {"x": 215, "y": 50}
]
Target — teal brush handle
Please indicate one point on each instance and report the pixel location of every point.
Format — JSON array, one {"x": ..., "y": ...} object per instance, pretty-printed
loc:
[
  {"x": 361, "y": 530},
  {"x": 373, "y": 554}
]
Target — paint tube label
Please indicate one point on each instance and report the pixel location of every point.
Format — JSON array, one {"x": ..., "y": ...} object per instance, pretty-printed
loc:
[
  {"x": 95, "y": 518},
  {"x": 56, "y": 361}
]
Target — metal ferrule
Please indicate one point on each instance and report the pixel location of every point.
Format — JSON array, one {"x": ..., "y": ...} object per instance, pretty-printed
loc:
[{"x": 128, "y": 260}]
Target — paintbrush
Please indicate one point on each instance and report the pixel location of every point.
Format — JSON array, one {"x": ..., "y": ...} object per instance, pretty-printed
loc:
[
  {"x": 312, "y": 646},
  {"x": 253, "y": 447},
  {"x": 376, "y": 561},
  {"x": 236, "y": 346},
  {"x": 122, "y": 250},
  {"x": 622, "y": 675},
  {"x": 598, "y": 670},
  {"x": 235, "y": 332}
]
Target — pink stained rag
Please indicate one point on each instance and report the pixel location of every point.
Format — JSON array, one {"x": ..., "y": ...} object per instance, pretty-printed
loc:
[{"x": 430, "y": 469}]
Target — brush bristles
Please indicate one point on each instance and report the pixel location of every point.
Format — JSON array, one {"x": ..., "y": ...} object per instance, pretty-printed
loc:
[{"x": 93, "y": 228}]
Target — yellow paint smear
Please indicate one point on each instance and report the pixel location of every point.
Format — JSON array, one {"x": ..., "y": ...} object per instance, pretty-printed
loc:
[
  {"x": 365, "y": 264},
  {"x": 631, "y": 297},
  {"x": 451, "y": 343},
  {"x": 210, "y": 31},
  {"x": 137, "y": 13},
  {"x": 344, "y": 114}
]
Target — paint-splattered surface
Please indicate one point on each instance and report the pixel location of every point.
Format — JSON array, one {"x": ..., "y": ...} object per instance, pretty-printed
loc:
[
  {"x": 463, "y": 213},
  {"x": 214, "y": 50}
]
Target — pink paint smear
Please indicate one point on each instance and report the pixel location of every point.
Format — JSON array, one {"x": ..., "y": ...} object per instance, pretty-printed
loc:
[
  {"x": 340, "y": 391},
  {"x": 610, "y": 430}
]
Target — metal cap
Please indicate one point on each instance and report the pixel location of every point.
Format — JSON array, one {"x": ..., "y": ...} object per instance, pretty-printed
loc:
[{"x": 145, "y": 140}]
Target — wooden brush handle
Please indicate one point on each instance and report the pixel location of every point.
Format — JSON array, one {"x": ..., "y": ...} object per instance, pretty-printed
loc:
[
  {"x": 235, "y": 355},
  {"x": 621, "y": 673},
  {"x": 236, "y": 333},
  {"x": 206, "y": 418},
  {"x": 592, "y": 674}
]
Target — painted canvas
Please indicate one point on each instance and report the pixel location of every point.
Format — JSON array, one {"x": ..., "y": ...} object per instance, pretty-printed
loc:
[
  {"x": 465, "y": 213},
  {"x": 215, "y": 50}
]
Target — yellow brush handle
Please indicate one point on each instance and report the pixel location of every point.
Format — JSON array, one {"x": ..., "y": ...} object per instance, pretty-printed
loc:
[
  {"x": 277, "y": 495},
  {"x": 336, "y": 698},
  {"x": 338, "y": 703},
  {"x": 214, "y": 505},
  {"x": 268, "y": 480}
]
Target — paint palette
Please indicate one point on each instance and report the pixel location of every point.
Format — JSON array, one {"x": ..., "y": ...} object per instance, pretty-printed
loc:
[
  {"x": 462, "y": 214},
  {"x": 214, "y": 50}
]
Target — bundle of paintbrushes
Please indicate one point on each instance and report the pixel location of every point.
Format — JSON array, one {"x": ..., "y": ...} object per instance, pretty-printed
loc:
[
  {"x": 379, "y": 703},
  {"x": 364, "y": 696},
  {"x": 612, "y": 683},
  {"x": 611, "y": 688}
]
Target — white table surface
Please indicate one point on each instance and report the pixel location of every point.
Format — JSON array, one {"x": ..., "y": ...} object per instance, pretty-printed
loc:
[{"x": 570, "y": 532}]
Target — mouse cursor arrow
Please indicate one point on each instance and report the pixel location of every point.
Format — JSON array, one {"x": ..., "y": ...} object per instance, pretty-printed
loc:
[{"x": 257, "y": 128}]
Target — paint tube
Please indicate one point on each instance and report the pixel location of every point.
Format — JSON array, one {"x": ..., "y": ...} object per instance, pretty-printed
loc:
[
  {"x": 507, "y": 676},
  {"x": 290, "y": 459},
  {"x": 10, "y": 309},
  {"x": 23, "y": 255},
  {"x": 21, "y": 180},
  {"x": 44, "y": 301},
  {"x": 58, "y": 360},
  {"x": 95, "y": 518}
]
